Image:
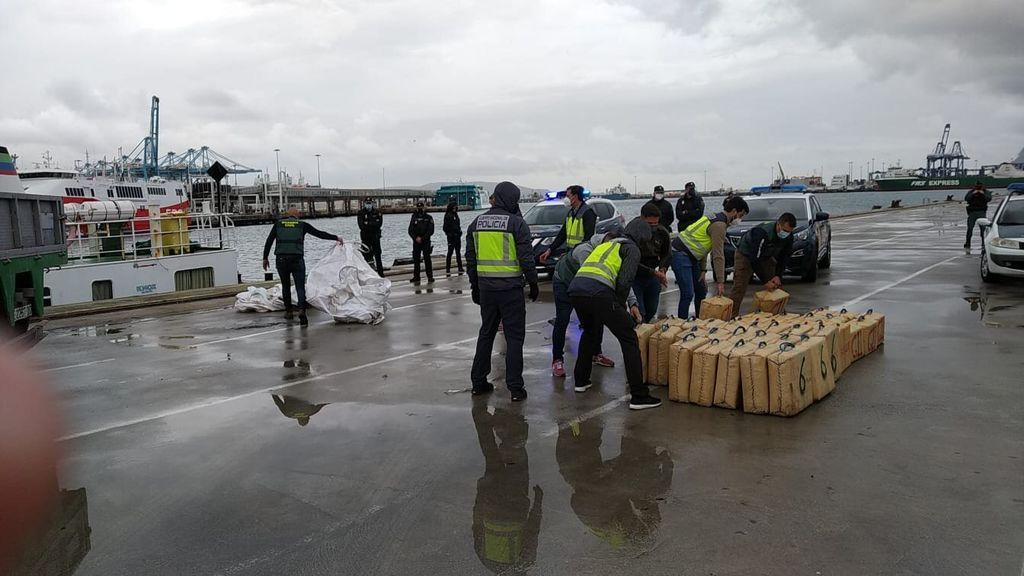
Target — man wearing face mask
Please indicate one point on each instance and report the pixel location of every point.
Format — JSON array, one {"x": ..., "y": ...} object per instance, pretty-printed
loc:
[
  {"x": 371, "y": 221},
  {"x": 580, "y": 223},
  {"x": 690, "y": 250},
  {"x": 689, "y": 207},
  {"x": 663, "y": 206},
  {"x": 421, "y": 228},
  {"x": 764, "y": 250}
]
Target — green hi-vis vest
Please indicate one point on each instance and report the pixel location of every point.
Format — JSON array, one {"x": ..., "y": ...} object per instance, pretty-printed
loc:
[
  {"x": 289, "y": 237},
  {"x": 496, "y": 255},
  {"x": 696, "y": 238},
  {"x": 604, "y": 263},
  {"x": 574, "y": 227},
  {"x": 503, "y": 541}
]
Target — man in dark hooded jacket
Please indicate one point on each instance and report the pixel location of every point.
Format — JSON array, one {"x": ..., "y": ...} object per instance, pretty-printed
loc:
[
  {"x": 598, "y": 293},
  {"x": 499, "y": 260}
]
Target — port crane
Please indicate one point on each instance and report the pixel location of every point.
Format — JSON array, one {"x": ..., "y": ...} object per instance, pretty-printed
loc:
[{"x": 946, "y": 164}]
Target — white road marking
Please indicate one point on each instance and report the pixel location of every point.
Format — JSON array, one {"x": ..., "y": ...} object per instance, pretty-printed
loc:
[
  {"x": 604, "y": 409},
  {"x": 219, "y": 401},
  {"x": 896, "y": 283},
  {"x": 93, "y": 363}
]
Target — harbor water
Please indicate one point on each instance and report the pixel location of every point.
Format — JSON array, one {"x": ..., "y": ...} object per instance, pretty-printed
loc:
[{"x": 397, "y": 244}]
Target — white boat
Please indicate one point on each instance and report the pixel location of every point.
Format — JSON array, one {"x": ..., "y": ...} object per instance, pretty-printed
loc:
[{"x": 132, "y": 237}]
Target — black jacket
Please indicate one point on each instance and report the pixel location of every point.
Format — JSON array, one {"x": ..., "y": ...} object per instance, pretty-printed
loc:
[
  {"x": 307, "y": 228},
  {"x": 977, "y": 202},
  {"x": 506, "y": 208},
  {"x": 421, "y": 225},
  {"x": 689, "y": 209},
  {"x": 666, "y": 212},
  {"x": 452, "y": 225},
  {"x": 657, "y": 253},
  {"x": 370, "y": 222},
  {"x": 761, "y": 243}
]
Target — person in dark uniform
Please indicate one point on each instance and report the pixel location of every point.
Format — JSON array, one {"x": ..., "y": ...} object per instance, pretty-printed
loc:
[
  {"x": 453, "y": 233},
  {"x": 764, "y": 250},
  {"x": 506, "y": 525},
  {"x": 655, "y": 259},
  {"x": 499, "y": 259},
  {"x": 977, "y": 206},
  {"x": 689, "y": 207},
  {"x": 658, "y": 199},
  {"x": 371, "y": 221},
  {"x": 289, "y": 233},
  {"x": 421, "y": 228},
  {"x": 616, "y": 499},
  {"x": 580, "y": 223}
]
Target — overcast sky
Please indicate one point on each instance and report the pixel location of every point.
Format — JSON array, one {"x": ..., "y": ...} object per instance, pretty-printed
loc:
[{"x": 544, "y": 93}]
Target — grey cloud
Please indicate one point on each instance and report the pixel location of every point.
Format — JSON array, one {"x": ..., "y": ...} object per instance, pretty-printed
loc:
[
  {"x": 945, "y": 42},
  {"x": 221, "y": 104},
  {"x": 687, "y": 16}
]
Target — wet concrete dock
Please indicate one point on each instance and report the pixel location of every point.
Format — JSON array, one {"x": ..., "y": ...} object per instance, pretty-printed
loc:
[{"x": 214, "y": 442}]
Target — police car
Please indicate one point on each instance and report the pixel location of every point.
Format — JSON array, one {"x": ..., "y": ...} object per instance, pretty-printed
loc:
[
  {"x": 547, "y": 217},
  {"x": 1002, "y": 252}
]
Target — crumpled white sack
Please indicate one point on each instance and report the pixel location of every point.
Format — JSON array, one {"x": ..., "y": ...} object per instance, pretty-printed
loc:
[
  {"x": 343, "y": 285},
  {"x": 256, "y": 299}
]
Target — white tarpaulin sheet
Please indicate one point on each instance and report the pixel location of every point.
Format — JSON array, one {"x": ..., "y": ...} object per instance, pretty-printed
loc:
[{"x": 341, "y": 284}]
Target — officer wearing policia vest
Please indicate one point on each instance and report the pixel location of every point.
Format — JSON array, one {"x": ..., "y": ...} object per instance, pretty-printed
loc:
[
  {"x": 764, "y": 250},
  {"x": 690, "y": 250},
  {"x": 598, "y": 293},
  {"x": 499, "y": 260},
  {"x": 289, "y": 233},
  {"x": 506, "y": 525},
  {"x": 580, "y": 223}
]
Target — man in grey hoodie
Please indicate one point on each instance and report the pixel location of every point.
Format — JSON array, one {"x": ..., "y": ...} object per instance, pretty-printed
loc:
[
  {"x": 598, "y": 294},
  {"x": 565, "y": 271},
  {"x": 499, "y": 260}
]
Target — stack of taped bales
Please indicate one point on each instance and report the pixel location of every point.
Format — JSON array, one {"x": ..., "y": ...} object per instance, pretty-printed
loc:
[{"x": 764, "y": 363}]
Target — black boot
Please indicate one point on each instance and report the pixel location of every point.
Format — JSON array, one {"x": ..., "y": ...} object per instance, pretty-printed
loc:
[{"x": 303, "y": 319}]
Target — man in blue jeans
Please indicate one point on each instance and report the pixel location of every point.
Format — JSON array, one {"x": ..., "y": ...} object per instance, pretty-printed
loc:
[
  {"x": 690, "y": 249},
  {"x": 565, "y": 271},
  {"x": 655, "y": 258}
]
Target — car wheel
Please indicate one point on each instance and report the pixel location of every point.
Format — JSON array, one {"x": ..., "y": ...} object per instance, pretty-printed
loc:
[
  {"x": 986, "y": 274},
  {"x": 811, "y": 274},
  {"x": 826, "y": 262}
]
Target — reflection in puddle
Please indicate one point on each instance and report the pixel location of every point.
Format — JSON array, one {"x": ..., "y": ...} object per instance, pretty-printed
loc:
[
  {"x": 297, "y": 408},
  {"x": 424, "y": 291}
]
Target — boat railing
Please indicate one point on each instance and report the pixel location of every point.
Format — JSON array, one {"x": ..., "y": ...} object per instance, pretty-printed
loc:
[{"x": 148, "y": 237}]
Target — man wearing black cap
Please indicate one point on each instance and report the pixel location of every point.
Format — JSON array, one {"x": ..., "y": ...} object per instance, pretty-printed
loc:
[
  {"x": 689, "y": 207},
  {"x": 421, "y": 228},
  {"x": 658, "y": 199},
  {"x": 371, "y": 221}
]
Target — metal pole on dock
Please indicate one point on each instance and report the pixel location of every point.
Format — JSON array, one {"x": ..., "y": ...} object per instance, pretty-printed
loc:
[
  {"x": 280, "y": 196},
  {"x": 318, "y": 171}
]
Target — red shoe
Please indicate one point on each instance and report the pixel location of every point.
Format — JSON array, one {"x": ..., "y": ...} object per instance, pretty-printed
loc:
[
  {"x": 602, "y": 360},
  {"x": 558, "y": 369}
]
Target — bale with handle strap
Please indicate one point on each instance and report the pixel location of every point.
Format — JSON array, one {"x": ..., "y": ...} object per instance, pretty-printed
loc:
[
  {"x": 643, "y": 334},
  {"x": 716, "y": 307},
  {"x": 789, "y": 378},
  {"x": 771, "y": 301},
  {"x": 754, "y": 379},
  {"x": 728, "y": 378},
  {"x": 679, "y": 383},
  {"x": 704, "y": 370}
]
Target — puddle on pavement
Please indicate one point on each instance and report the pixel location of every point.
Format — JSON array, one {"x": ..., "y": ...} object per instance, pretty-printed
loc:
[
  {"x": 455, "y": 291},
  {"x": 992, "y": 308}
]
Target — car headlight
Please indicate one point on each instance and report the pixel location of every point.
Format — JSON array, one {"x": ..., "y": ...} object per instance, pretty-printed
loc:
[
  {"x": 1002, "y": 243},
  {"x": 803, "y": 234},
  {"x": 547, "y": 241}
]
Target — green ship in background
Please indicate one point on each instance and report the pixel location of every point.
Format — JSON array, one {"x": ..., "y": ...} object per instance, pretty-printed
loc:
[{"x": 945, "y": 171}]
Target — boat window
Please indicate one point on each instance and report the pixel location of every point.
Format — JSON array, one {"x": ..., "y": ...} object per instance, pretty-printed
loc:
[
  {"x": 193, "y": 279},
  {"x": 154, "y": 191},
  {"x": 78, "y": 192},
  {"x": 102, "y": 290},
  {"x": 178, "y": 190}
]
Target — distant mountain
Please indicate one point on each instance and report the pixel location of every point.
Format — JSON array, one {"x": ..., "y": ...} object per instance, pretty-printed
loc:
[
  {"x": 487, "y": 186},
  {"x": 1020, "y": 157}
]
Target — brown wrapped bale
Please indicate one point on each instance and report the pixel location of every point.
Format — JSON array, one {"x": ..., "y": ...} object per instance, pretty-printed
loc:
[
  {"x": 754, "y": 378},
  {"x": 643, "y": 334},
  {"x": 682, "y": 349},
  {"x": 704, "y": 370},
  {"x": 716, "y": 307},
  {"x": 828, "y": 353},
  {"x": 728, "y": 378},
  {"x": 771, "y": 301},
  {"x": 867, "y": 333},
  {"x": 660, "y": 356},
  {"x": 789, "y": 378}
]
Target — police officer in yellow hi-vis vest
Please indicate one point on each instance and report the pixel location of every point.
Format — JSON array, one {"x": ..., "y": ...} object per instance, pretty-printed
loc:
[
  {"x": 290, "y": 233},
  {"x": 580, "y": 223},
  {"x": 690, "y": 250},
  {"x": 499, "y": 260},
  {"x": 598, "y": 293}
]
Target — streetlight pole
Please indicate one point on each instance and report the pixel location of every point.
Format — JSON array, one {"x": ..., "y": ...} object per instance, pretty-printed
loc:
[
  {"x": 705, "y": 181},
  {"x": 634, "y": 185},
  {"x": 318, "y": 171},
  {"x": 280, "y": 192}
]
